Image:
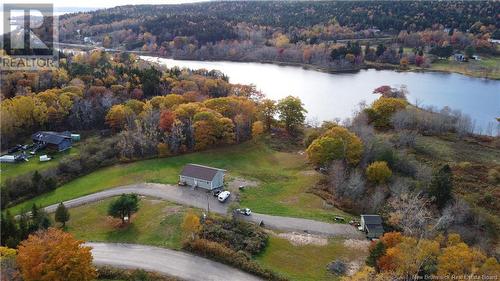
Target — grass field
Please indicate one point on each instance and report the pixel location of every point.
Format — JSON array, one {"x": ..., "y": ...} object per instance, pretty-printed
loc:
[
  {"x": 284, "y": 179},
  {"x": 487, "y": 67},
  {"x": 157, "y": 223},
  {"x": 306, "y": 262}
]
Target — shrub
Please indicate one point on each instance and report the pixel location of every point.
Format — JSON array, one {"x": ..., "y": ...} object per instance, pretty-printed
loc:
[
  {"x": 106, "y": 272},
  {"x": 430, "y": 122},
  {"x": 494, "y": 175},
  {"x": 338, "y": 267},
  {"x": 235, "y": 234},
  {"x": 378, "y": 172},
  {"x": 162, "y": 149},
  {"x": 219, "y": 252}
]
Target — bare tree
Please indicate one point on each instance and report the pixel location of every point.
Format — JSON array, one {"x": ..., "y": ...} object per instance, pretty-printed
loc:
[{"x": 410, "y": 212}]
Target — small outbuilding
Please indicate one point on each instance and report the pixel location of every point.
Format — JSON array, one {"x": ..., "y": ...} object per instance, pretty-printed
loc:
[
  {"x": 202, "y": 176},
  {"x": 372, "y": 226},
  {"x": 54, "y": 140}
]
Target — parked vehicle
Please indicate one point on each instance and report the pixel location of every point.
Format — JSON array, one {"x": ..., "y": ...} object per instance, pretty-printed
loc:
[
  {"x": 216, "y": 193},
  {"x": 223, "y": 196},
  {"x": 15, "y": 149},
  {"x": 36, "y": 148},
  {"x": 244, "y": 211},
  {"x": 339, "y": 219},
  {"x": 45, "y": 158}
]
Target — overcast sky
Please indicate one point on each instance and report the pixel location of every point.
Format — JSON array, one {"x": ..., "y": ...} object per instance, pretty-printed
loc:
[
  {"x": 65, "y": 6},
  {"x": 101, "y": 3}
]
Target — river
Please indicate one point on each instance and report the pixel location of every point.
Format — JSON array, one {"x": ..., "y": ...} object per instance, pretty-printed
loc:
[{"x": 328, "y": 96}]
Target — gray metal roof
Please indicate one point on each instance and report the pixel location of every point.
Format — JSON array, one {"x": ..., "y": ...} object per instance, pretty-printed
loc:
[
  {"x": 50, "y": 137},
  {"x": 374, "y": 228},
  {"x": 372, "y": 219},
  {"x": 200, "y": 172}
]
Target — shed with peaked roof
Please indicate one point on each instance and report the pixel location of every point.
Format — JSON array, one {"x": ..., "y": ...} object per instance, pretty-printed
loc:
[
  {"x": 202, "y": 176},
  {"x": 372, "y": 226},
  {"x": 59, "y": 141}
]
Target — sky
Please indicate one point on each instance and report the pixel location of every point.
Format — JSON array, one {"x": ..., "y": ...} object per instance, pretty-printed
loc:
[
  {"x": 101, "y": 3},
  {"x": 65, "y": 6}
]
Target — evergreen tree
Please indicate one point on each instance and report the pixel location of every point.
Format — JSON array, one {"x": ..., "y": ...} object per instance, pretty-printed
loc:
[
  {"x": 124, "y": 206},
  {"x": 62, "y": 214},
  {"x": 441, "y": 186},
  {"x": 376, "y": 252},
  {"x": 9, "y": 230},
  {"x": 36, "y": 181}
]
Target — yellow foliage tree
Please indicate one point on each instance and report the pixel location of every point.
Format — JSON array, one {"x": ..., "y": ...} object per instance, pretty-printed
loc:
[
  {"x": 191, "y": 225},
  {"x": 162, "y": 149},
  {"x": 7, "y": 253},
  {"x": 117, "y": 116},
  {"x": 382, "y": 110},
  {"x": 460, "y": 259},
  {"x": 378, "y": 172},
  {"x": 336, "y": 143},
  {"x": 257, "y": 129},
  {"x": 54, "y": 255},
  {"x": 282, "y": 41}
]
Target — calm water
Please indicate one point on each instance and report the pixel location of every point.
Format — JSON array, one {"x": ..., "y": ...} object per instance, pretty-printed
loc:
[{"x": 328, "y": 96}]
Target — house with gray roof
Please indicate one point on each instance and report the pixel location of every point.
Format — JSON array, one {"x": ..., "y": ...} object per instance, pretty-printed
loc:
[
  {"x": 372, "y": 226},
  {"x": 202, "y": 176}
]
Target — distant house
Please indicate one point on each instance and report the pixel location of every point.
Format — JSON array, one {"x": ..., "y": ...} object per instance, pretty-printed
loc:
[
  {"x": 53, "y": 140},
  {"x": 494, "y": 41},
  {"x": 372, "y": 226},
  {"x": 202, "y": 176},
  {"x": 459, "y": 57}
]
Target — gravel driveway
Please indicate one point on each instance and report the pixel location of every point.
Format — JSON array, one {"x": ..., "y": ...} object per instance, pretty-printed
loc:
[
  {"x": 170, "y": 262},
  {"x": 203, "y": 200}
]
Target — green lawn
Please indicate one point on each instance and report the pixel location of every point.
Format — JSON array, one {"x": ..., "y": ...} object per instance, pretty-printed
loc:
[
  {"x": 9, "y": 170},
  {"x": 284, "y": 179},
  {"x": 488, "y": 67},
  {"x": 307, "y": 262},
  {"x": 157, "y": 223}
]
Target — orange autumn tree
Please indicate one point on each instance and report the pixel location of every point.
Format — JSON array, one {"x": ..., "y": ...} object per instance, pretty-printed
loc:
[
  {"x": 54, "y": 255},
  {"x": 405, "y": 257}
]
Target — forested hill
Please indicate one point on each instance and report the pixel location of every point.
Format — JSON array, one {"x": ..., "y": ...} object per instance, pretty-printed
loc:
[{"x": 385, "y": 15}]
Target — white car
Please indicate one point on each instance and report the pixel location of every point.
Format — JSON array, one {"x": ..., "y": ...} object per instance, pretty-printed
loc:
[
  {"x": 223, "y": 196},
  {"x": 245, "y": 211}
]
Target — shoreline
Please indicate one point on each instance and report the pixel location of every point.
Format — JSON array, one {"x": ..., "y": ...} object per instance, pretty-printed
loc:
[{"x": 364, "y": 66}]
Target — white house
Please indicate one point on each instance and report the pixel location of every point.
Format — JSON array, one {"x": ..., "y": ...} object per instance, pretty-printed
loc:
[{"x": 202, "y": 176}]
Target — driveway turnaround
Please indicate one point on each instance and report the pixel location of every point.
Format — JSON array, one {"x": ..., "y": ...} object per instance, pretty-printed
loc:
[
  {"x": 204, "y": 200},
  {"x": 174, "y": 263}
]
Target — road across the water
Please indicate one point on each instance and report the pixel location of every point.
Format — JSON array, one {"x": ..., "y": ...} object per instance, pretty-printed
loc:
[
  {"x": 175, "y": 263},
  {"x": 204, "y": 200}
]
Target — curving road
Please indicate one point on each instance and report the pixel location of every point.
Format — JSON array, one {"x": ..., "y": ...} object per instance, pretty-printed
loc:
[
  {"x": 165, "y": 261},
  {"x": 204, "y": 200}
]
